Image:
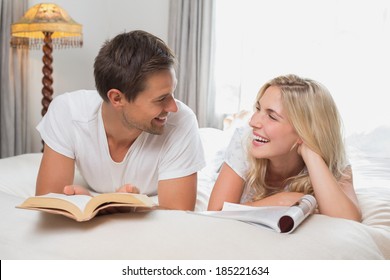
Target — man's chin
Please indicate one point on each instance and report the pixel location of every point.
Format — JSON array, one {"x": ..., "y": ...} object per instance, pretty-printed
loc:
[{"x": 156, "y": 130}]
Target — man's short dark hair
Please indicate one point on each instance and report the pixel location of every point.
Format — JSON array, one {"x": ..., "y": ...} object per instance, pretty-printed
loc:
[{"x": 125, "y": 62}]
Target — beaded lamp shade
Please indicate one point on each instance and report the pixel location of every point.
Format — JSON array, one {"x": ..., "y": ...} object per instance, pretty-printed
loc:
[{"x": 43, "y": 18}]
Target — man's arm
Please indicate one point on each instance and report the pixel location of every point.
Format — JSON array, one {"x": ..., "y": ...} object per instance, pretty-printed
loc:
[
  {"x": 178, "y": 193},
  {"x": 55, "y": 172}
]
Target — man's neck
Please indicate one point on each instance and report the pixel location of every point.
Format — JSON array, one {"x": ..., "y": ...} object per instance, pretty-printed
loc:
[{"x": 119, "y": 137}]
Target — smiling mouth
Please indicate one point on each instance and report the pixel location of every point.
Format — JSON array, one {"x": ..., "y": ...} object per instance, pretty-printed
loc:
[
  {"x": 161, "y": 120},
  {"x": 260, "y": 139}
]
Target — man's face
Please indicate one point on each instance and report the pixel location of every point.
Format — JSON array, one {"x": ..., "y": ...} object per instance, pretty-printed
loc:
[{"x": 149, "y": 111}]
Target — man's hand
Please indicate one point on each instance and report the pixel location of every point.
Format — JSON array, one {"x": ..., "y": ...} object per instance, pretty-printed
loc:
[
  {"x": 128, "y": 188},
  {"x": 76, "y": 189}
]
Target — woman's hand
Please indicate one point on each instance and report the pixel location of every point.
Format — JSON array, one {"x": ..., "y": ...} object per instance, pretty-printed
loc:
[
  {"x": 303, "y": 149},
  {"x": 306, "y": 153},
  {"x": 335, "y": 197}
]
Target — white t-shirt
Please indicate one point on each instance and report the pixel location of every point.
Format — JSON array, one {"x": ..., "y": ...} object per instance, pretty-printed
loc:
[
  {"x": 73, "y": 127},
  {"x": 236, "y": 157}
]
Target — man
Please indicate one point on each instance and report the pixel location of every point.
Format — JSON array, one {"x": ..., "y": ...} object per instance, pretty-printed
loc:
[{"x": 131, "y": 135}]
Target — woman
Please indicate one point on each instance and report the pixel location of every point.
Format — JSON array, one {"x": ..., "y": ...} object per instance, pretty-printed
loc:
[{"x": 294, "y": 147}]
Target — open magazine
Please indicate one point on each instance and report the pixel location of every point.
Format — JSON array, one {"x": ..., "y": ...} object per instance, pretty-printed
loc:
[{"x": 284, "y": 219}]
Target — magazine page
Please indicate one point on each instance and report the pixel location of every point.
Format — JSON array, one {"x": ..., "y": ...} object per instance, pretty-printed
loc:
[
  {"x": 283, "y": 219},
  {"x": 264, "y": 216}
]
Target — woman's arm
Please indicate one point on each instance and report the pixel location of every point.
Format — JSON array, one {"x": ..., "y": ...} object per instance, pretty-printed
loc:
[
  {"x": 278, "y": 199},
  {"x": 228, "y": 187},
  {"x": 334, "y": 198}
]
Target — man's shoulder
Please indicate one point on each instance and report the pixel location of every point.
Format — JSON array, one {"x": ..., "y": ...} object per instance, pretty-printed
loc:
[
  {"x": 82, "y": 105},
  {"x": 83, "y": 94},
  {"x": 179, "y": 123},
  {"x": 182, "y": 107},
  {"x": 77, "y": 97},
  {"x": 183, "y": 114}
]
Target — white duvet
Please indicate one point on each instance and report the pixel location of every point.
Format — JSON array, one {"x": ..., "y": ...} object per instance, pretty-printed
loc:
[{"x": 166, "y": 234}]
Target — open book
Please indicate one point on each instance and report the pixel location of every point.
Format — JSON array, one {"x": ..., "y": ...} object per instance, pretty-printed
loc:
[
  {"x": 84, "y": 207},
  {"x": 283, "y": 219}
]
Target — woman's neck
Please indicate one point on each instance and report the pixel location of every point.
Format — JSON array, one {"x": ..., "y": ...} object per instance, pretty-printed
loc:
[{"x": 278, "y": 172}]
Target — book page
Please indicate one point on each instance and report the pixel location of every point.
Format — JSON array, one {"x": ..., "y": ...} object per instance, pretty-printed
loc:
[
  {"x": 106, "y": 200},
  {"x": 79, "y": 200}
]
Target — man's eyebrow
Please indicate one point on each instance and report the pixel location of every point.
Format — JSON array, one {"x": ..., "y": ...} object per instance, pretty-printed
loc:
[{"x": 162, "y": 96}]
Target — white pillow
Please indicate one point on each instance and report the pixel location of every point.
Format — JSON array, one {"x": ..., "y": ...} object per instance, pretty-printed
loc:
[
  {"x": 374, "y": 143},
  {"x": 19, "y": 174},
  {"x": 214, "y": 143}
]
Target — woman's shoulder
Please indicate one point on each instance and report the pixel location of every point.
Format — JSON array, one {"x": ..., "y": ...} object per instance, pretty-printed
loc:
[
  {"x": 240, "y": 136},
  {"x": 237, "y": 152}
]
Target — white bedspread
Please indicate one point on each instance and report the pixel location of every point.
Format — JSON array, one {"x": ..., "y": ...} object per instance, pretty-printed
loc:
[{"x": 163, "y": 234}]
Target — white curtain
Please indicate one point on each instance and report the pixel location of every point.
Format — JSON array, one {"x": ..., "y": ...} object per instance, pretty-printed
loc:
[
  {"x": 13, "y": 88},
  {"x": 191, "y": 36}
]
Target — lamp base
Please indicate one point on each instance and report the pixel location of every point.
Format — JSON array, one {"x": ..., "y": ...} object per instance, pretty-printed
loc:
[{"x": 47, "y": 70}]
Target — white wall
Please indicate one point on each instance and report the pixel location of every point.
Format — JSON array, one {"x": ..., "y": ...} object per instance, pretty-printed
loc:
[{"x": 101, "y": 20}]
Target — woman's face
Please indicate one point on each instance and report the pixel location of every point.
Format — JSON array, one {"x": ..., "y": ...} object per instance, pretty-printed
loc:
[{"x": 273, "y": 135}]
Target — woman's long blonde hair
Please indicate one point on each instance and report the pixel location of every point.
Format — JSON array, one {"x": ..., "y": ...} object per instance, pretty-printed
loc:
[{"x": 312, "y": 112}]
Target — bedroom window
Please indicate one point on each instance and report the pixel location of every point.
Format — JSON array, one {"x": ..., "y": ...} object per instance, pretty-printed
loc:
[{"x": 342, "y": 44}]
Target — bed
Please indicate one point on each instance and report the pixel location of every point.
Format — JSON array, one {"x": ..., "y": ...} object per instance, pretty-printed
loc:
[{"x": 179, "y": 235}]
